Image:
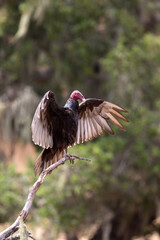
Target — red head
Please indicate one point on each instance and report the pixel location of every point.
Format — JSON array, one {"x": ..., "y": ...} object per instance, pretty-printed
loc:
[{"x": 77, "y": 95}]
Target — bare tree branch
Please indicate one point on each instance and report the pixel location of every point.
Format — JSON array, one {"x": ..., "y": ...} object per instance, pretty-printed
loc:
[{"x": 32, "y": 192}]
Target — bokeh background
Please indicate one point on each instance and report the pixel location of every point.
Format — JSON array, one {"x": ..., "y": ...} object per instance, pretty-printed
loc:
[{"x": 105, "y": 49}]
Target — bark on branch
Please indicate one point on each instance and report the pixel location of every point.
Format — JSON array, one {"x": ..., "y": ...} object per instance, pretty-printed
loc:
[{"x": 32, "y": 192}]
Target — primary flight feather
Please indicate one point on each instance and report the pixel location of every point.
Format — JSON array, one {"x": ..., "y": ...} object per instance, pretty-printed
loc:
[{"x": 56, "y": 128}]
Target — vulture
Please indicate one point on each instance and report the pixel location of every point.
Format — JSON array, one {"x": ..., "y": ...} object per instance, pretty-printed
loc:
[{"x": 56, "y": 128}]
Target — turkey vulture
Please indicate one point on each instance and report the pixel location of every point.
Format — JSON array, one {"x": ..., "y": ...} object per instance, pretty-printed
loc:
[{"x": 56, "y": 128}]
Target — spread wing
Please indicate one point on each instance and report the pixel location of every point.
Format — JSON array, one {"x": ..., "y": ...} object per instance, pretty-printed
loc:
[
  {"x": 93, "y": 115},
  {"x": 42, "y": 124}
]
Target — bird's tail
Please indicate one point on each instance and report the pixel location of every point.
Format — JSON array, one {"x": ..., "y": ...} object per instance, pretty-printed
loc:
[{"x": 46, "y": 158}]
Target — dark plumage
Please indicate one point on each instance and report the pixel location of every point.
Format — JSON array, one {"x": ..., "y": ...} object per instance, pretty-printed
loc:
[{"x": 56, "y": 128}]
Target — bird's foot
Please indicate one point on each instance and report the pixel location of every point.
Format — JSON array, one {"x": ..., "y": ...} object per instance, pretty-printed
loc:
[{"x": 70, "y": 157}]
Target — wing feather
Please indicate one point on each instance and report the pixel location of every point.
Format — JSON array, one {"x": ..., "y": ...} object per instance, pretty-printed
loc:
[
  {"x": 93, "y": 129},
  {"x": 78, "y": 132},
  {"x": 97, "y": 124},
  {"x": 88, "y": 127},
  {"x": 85, "y": 127},
  {"x": 112, "y": 105},
  {"x": 118, "y": 114},
  {"x": 82, "y": 130},
  {"x": 115, "y": 121},
  {"x": 94, "y": 115},
  {"x": 42, "y": 123},
  {"x": 90, "y": 134}
]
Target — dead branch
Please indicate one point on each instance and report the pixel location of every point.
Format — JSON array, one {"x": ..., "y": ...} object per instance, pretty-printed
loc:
[{"x": 32, "y": 192}]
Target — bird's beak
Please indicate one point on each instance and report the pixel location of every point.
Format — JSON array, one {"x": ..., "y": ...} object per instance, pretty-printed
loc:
[{"x": 83, "y": 99}]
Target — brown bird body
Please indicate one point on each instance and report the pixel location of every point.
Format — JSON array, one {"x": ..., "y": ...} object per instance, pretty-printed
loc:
[{"x": 56, "y": 128}]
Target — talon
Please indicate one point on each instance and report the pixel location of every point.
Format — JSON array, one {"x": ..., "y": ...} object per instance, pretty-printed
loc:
[
  {"x": 71, "y": 160},
  {"x": 70, "y": 157}
]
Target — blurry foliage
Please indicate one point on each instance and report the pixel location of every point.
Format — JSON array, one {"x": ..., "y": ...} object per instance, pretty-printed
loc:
[
  {"x": 136, "y": 67},
  {"x": 11, "y": 192},
  {"x": 71, "y": 39},
  {"x": 108, "y": 49}
]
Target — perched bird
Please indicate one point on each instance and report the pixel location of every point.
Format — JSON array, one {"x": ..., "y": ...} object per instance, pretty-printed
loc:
[{"x": 56, "y": 128}]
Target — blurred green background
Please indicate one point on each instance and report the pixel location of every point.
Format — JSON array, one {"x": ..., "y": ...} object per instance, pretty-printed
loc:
[{"x": 105, "y": 49}]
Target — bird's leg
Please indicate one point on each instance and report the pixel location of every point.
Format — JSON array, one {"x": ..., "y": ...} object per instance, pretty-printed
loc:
[
  {"x": 69, "y": 156},
  {"x": 63, "y": 152}
]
